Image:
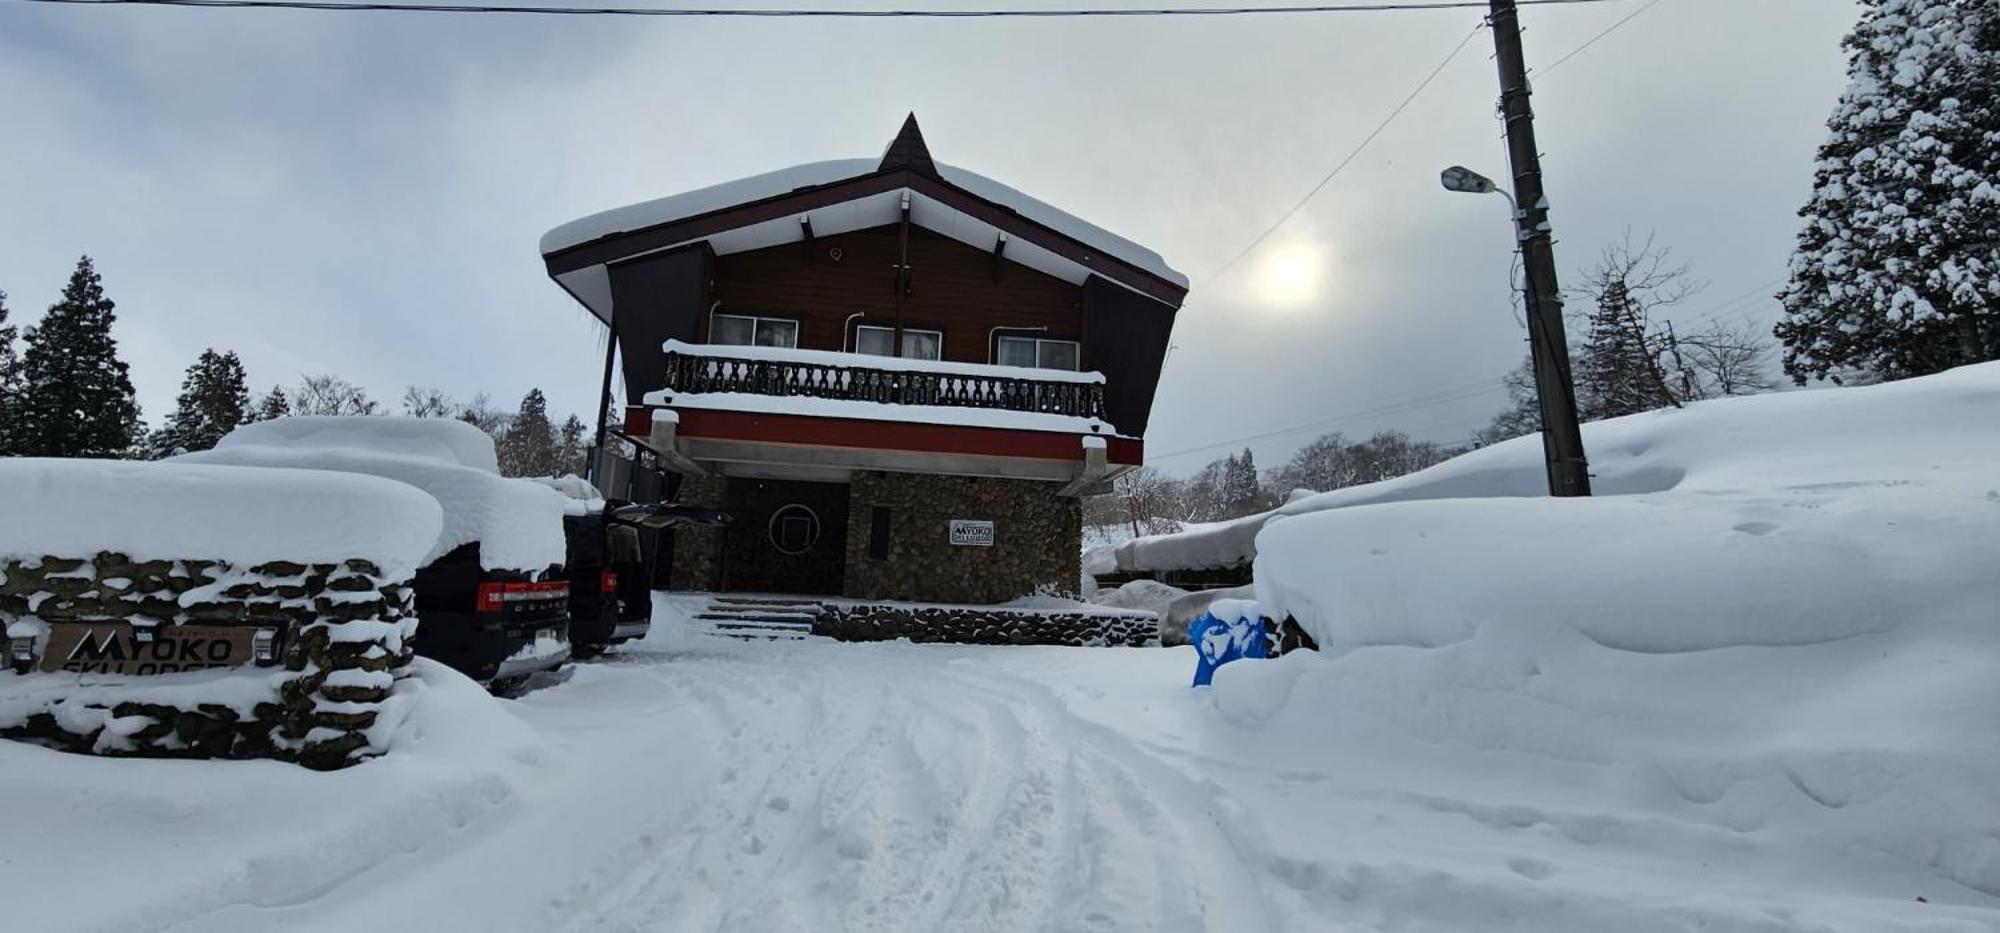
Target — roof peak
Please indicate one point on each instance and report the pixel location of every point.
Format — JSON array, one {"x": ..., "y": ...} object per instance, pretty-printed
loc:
[{"x": 908, "y": 151}]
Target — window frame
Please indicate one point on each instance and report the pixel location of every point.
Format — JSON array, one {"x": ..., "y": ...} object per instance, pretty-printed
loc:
[
  {"x": 1077, "y": 345},
  {"x": 755, "y": 320},
  {"x": 907, "y": 331}
]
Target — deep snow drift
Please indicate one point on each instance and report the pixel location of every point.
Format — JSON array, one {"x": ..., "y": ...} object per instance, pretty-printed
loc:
[{"x": 1786, "y": 630}]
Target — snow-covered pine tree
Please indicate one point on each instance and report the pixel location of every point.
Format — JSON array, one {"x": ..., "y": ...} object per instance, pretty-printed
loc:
[
  {"x": 528, "y": 448},
  {"x": 1897, "y": 270},
  {"x": 11, "y": 395},
  {"x": 273, "y": 404},
  {"x": 1241, "y": 494},
  {"x": 213, "y": 401},
  {"x": 78, "y": 394},
  {"x": 1616, "y": 375},
  {"x": 570, "y": 445}
]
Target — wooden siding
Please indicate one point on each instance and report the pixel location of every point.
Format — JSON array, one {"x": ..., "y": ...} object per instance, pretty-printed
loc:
[{"x": 952, "y": 289}]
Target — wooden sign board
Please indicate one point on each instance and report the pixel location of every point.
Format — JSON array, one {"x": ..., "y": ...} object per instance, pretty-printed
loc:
[
  {"x": 969, "y": 533},
  {"x": 112, "y": 648}
]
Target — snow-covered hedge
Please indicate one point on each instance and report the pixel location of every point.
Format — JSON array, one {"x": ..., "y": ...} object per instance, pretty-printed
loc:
[
  {"x": 1777, "y": 618},
  {"x": 142, "y": 552}
]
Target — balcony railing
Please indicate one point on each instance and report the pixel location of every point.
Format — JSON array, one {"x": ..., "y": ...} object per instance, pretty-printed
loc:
[{"x": 951, "y": 385}]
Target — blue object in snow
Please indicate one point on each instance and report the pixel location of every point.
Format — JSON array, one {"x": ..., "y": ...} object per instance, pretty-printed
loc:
[{"x": 1230, "y": 629}]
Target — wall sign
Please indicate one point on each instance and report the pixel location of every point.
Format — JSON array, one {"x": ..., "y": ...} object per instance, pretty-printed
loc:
[
  {"x": 969, "y": 533},
  {"x": 111, "y": 648}
]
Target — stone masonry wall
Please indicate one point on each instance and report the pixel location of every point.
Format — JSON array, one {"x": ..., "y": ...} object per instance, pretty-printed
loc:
[
  {"x": 1037, "y": 543},
  {"x": 697, "y": 558},
  {"x": 344, "y": 630},
  {"x": 978, "y": 625}
]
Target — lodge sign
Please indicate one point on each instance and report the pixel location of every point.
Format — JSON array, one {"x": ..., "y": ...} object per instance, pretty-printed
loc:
[
  {"x": 113, "y": 648},
  {"x": 969, "y": 533}
]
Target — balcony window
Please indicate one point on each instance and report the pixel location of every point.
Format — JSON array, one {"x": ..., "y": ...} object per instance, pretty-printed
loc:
[
  {"x": 1037, "y": 353},
  {"x": 751, "y": 330},
  {"x": 917, "y": 344}
]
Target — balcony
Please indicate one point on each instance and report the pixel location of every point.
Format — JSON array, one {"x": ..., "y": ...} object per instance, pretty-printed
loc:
[{"x": 702, "y": 369}]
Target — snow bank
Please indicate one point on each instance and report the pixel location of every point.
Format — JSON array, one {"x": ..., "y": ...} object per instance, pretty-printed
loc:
[
  {"x": 238, "y": 514},
  {"x": 1713, "y": 444},
  {"x": 446, "y": 440},
  {"x": 517, "y": 523},
  {"x": 1777, "y": 623}
]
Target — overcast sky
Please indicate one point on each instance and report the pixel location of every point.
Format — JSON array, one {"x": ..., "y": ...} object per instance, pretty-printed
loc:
[{"x": 362, "y": 193}]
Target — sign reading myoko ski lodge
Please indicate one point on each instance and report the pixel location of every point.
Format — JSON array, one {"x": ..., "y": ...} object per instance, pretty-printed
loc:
[{"x": 897, "y": 376}]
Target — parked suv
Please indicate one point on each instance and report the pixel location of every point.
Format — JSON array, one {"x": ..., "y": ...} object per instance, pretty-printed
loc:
[
  {"x": 493, "y": 596},
  {"x": 610, "y": 582}
]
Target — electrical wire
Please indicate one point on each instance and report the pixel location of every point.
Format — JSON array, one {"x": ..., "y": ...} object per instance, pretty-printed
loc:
[
  {"x": 776, "y": 12},
  {"x": 1352, "y": 155},
  {"x": 1572, "y": 53}
]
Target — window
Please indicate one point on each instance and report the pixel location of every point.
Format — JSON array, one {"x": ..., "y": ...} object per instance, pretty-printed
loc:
[
  {"x": 917, "y": 344},
  {"x": 1037, "y": 353},
  {"x": 744, "y": 330}
]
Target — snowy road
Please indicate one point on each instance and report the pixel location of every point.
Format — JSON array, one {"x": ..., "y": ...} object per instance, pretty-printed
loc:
[{"x": 700, "y": 783}]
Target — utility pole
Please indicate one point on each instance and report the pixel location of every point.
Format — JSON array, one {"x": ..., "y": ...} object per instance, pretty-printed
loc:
[{"x": 1562, "y": 438}]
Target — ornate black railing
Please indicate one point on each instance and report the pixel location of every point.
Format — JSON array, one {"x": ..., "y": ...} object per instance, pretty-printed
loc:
[{"x": 701, "y": 374}]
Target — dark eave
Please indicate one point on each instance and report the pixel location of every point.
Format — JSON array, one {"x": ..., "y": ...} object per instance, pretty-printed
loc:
[{"x": 630, "y": 243}]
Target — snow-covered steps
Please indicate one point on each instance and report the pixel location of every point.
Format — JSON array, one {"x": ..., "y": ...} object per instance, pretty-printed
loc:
[{"x": 760, "y": 617}]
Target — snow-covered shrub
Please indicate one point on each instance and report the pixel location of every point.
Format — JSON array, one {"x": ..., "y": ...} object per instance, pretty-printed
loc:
[{"x": 118, "y": 567}]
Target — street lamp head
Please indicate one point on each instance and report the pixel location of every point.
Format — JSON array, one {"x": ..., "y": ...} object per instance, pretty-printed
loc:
[{"x": 1460, "y": 178}]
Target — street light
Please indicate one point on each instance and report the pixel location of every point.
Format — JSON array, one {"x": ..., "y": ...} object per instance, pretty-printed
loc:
[
  {"x": 1562, "y": 436},
  {"x": 1462, "y": 179}
]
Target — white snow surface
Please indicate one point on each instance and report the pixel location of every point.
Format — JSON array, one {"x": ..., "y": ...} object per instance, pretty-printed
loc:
[
  {"x": 699, "y": 783},
  {"x": 1811, "y": 436},
  {"x": 884, "y": 363},
  {"x": 446, "y": 440},
  {"x": 815, "y": 174},
  {"x": 518, "y": 523},
  {"x": 240, "y": 514},
  {"x": 863, "y": 410}
]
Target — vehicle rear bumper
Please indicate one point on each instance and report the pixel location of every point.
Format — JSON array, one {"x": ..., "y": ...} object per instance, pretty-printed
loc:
[{"x": 635, "y": 628}]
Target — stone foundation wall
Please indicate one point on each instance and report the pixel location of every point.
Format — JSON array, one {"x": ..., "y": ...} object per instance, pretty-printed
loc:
[
  {"x": 343, "y": 631},
  {"x": 1037, "y": 539},
  {"x": 697, "y": 558},
  {"x": 978, "y": 625}
]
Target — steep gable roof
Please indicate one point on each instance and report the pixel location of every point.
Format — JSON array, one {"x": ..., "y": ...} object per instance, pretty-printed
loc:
[{"x": 908, "y": 151}]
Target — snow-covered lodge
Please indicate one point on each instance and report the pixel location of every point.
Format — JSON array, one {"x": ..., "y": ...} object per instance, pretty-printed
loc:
[{"x": 896, "y": 375}]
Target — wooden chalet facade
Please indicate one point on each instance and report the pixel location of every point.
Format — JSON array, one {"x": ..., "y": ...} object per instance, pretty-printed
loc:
[{"x": 756, "y": 321}]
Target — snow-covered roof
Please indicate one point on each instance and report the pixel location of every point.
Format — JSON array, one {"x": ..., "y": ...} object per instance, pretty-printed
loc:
[
  {"x": 937, "y": 198},
  {"x": 184, "y": 510},
  {"x": 884, "y": 363},
  {"x": 517, "y": 523},
  {"x": 785, "y": 181}
]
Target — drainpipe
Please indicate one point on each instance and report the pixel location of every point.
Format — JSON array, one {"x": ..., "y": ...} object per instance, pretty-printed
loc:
[
  {"x": 993, "y": 338},
  {"x": 847, "y": 327},
  {"x": 902, "y": 273}
]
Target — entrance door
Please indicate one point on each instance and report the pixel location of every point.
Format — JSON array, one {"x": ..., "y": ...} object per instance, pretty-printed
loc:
[{"x": 786, "y": 536}]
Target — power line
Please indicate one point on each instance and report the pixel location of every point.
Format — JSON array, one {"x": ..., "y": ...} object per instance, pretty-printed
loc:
[
  {"x": 775, "y": 12},
  {"x": 1351, "y": 156},
  {"x": 1416, "y": 403},
  {"x": 1572, "y": 53}
]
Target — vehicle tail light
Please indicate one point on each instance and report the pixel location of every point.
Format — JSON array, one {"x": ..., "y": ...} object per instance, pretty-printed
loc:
[
  {"x": 492, "y": 596},
  {"x": 608, "y": 581}
]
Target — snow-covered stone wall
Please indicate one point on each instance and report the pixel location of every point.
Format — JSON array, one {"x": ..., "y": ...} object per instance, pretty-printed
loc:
[{"x": 201, "y": 625}]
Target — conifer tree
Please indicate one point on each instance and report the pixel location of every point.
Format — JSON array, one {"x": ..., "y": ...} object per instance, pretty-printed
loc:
[
  {"x": 78, "y": 394},
  {"x": 273, "y": 404},
  {"x": 528, "y": 447},
  {"x": 1897, "y": 269},
  {"x": 570, "y": 447},
  {"x": 12, "y": 395},
  {"x": 213, "y": 401}
]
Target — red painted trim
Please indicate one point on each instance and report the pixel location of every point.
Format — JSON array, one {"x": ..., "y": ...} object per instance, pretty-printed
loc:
[{"x": 814, "y": 431}]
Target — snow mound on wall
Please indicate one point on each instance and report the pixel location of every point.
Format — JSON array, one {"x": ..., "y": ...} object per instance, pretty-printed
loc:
[
  {"x": 446, "y": 440},
  {"x": 1782, "y": 629},
  {"x": 243, "y": 515},
  {"x": 517, "y": 523},
  {"x": 1714, "y": 444}
]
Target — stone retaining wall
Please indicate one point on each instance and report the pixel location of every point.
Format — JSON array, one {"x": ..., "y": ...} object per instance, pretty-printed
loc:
[
  {"x": 979, "y": 625},
  {"x": 343, "y": 632},
  {"x": 1037, "y": 538}
]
